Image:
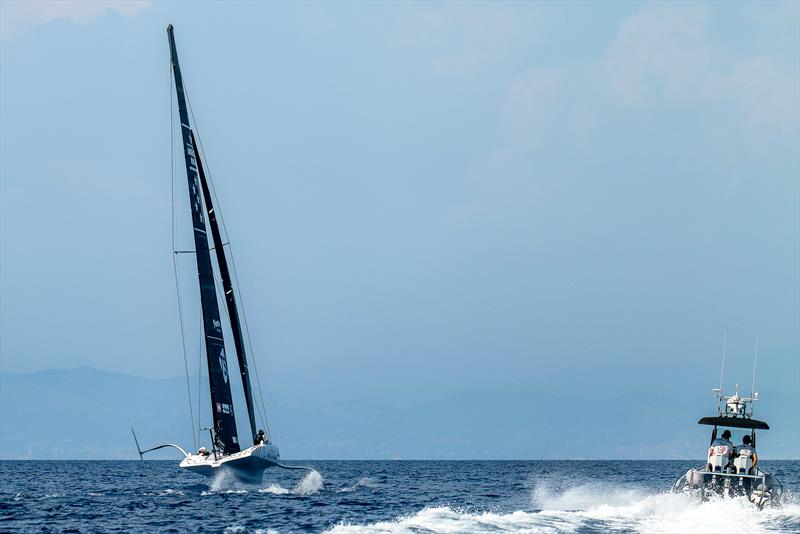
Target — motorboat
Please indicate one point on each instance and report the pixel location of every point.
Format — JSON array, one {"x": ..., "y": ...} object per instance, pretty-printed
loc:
[{"x": 732, "y": 470}]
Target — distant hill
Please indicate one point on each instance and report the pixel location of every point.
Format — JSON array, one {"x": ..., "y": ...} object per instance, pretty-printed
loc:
[{"x": 84, "y": 413}]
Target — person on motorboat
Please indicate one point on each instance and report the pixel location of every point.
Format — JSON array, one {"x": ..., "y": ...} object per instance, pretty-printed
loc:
[
  {"x": 743, "y": 462},
  {"x": 720, "y": 453},
  {"x": 746, "y": 445},
  {"x": 724, "y": 440},
  {"x": 203, "y": 451},
  {"x": 745, "y": 452}
]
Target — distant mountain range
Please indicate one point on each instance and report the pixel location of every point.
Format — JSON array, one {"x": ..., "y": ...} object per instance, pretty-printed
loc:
[{"x": 84, "y": 413}]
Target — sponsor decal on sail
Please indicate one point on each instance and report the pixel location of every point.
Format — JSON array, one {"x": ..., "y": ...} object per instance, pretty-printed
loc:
[
  {"x": 196, "y": 203},
  {"x": 223, "y": 363}
]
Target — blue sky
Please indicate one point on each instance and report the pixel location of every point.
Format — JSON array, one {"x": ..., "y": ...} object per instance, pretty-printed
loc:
[{"x": 423, "y": 198}]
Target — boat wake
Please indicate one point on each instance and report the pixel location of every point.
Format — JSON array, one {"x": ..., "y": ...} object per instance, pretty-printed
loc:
[
  {"x": 310, "y": 484},
  {"x": 599, "y": 508},
  {"x": 363, "y": 482},
  {"x": 224, "y": 482}
]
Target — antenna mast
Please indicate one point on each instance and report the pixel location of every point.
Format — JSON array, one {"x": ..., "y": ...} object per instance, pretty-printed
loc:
[
  {"x": 718, "y": 391},
  {"x": 724, "y": 350},
  {"x": 755, "y": 359}
]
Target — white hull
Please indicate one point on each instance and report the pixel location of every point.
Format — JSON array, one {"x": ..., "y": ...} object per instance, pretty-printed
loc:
[
  {"x": 760, "y": 488},
  {"x": 247, "y": 465}
]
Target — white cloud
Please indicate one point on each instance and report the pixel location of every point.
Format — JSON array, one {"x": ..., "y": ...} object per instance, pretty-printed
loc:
[
  {"x": 17, "y": 16},
  {"x": 467, "y": 39},
  {"x": 665, "y": 54},
  {"x": 662, "y": 58},
  {"x": 665, "y": 60},
  {"x": 662, "y": 50},
  {"x": 764, "y": 94}
]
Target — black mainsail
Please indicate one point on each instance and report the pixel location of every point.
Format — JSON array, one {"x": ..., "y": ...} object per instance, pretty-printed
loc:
[
  {"x": 226, "y": 437},
  {"x": 245, "y": 463},
  {"x": 230, "y": 298}
]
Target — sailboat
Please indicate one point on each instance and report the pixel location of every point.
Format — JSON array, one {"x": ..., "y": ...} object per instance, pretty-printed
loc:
[{"x": 245, "y": 463}]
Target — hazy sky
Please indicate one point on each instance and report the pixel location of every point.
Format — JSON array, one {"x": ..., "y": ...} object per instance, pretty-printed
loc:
[{"x": 423, "y": 198}]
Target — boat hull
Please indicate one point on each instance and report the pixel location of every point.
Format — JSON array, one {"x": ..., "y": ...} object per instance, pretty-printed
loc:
[
  {"x": 760, "y": 488},
  {"x": 246, "y": 466}
]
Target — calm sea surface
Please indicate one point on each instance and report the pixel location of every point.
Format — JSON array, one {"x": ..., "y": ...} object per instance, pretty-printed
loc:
[{"x": 373, "y": 496}]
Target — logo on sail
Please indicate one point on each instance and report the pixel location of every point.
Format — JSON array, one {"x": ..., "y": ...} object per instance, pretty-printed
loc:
[
  {"x": 196, "y": 203},
  {"x": 217, "y": 325},
  {"x": 223, "y": 363}
]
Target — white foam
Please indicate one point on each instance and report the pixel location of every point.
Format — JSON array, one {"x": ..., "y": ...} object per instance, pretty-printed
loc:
[
  {"x": 226, "y": 482},
  {"x": 447, "y": 520},
  {"x": 310, "y": 484},
  {"x": 584, "y": 496},
  {"x": 239, "y": 529},
  {"x": 223, "y": 481},
  {"x": 275, "y": 490},
  {"x": 602, "y": 508},
  {"x": 363, "y": 482},
  {"x": 634, "y": 509},
  {"x": 167, "y": 491}
]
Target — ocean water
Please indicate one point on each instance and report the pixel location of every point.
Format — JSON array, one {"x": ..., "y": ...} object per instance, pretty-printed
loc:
[{"x": 379, "y": 496}]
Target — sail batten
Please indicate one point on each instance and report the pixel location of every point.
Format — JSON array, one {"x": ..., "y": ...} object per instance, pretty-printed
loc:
[{"x": 218, "y": 378}]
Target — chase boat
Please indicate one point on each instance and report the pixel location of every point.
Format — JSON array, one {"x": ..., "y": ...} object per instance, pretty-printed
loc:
[{"x": 730, "y": 470}]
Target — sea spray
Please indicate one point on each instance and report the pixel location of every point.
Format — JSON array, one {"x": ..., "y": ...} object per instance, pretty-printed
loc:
[
  {"x": 583, "y": 496},
  {"x": 657, "y": 512},
  {"x": 596, "y": 507},
  {"x": 165, "y": 491},
  {"x": 363, "y": 482},
  {"x": 446, "y": 520},
  {"x": 224, "y": 481},
  {"x": 275, "y": 489},
  {"x": 310, "y": 484}
]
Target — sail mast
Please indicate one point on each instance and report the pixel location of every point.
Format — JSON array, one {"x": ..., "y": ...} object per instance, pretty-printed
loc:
[
  {"x": 219, "y": 384},
  {"x": 230, "y": 299}
]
